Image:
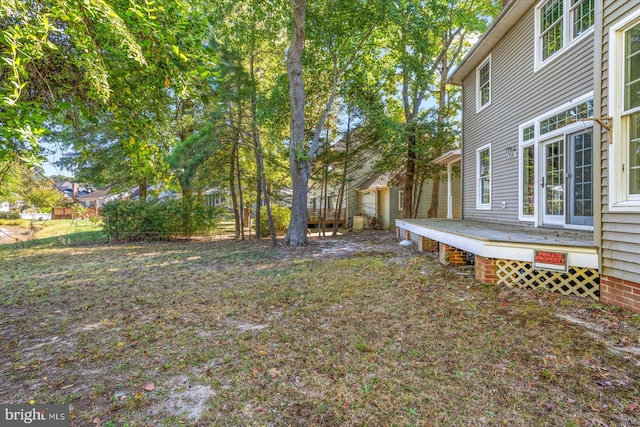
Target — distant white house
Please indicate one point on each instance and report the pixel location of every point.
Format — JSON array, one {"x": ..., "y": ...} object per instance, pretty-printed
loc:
[
  {"x": 4, "y": 207},
  {"x": 95, "y": 199}
]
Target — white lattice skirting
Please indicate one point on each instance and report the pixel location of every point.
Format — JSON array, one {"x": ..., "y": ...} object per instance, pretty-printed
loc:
[{"x": 584, "y": 282}]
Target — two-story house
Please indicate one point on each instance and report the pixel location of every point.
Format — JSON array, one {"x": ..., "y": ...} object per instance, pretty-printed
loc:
[
  {"x": 617, "y": 106},
  {"x": 369, "y": 193},
  {"x": 544, "y": 169}
]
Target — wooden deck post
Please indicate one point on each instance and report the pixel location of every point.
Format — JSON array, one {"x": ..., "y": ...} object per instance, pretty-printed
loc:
[
  {"x": 427, "y": 245},
  {"x": 448, "y": 255},
  {"x": 486, "y": 270}
]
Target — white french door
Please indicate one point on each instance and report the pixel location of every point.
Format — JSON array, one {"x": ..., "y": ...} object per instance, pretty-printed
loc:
[
  {"x": 566, "y": 180},
  {"x": 580, "y": 179},
  {"x": 552, "y": 182}
]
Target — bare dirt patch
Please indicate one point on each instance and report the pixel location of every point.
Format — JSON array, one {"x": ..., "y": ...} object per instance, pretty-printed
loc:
[
  {"x": 348, "y": 330},
  {"x": 13, "y": 234}
]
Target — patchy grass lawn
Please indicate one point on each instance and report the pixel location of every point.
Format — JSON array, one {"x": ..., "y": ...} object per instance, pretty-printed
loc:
[
  {"x": 353, "y": 330},
  {"x": 25, "y": 233}
]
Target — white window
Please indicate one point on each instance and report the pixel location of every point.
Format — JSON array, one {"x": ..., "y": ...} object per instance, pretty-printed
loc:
[
  {"x": 527, "y": 177},
  {"x": 483, "y": 84},
  {"x": 483, "y": 177},
  {"x": 401, "y": 200},
  {"x": 624, "y": 101},
  {"x": 559, "y": 23}
]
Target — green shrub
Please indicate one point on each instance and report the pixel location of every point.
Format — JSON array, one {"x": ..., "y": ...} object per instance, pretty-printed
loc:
[
  {"x": 169, "y": 219},
  {"x": 14, "y": 214},
  {"x": 281, "y": 218}
]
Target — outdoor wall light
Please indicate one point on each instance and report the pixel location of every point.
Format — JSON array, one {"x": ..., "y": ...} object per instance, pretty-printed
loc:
[{"x": 512, "y": 151}]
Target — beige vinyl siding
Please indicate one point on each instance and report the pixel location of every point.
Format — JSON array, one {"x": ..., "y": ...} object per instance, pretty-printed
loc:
[
  {"x": 425, "y": 201},
  {"x": 620, "y": 233},
  {"x": 517, "y": 96}
]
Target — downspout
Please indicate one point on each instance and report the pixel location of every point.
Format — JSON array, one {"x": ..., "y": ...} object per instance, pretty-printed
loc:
[
  {"x": 598, "y": 37},
  {"x": 449, "y": 193}
]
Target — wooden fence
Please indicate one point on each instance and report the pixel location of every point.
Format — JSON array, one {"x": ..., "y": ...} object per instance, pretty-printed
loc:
[{"x": 62, "y": 213}]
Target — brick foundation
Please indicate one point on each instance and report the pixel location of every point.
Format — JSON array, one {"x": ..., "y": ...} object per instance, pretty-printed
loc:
[
  {"x": 427, "y": 245},
  {"x": 622, "y": 293},
  {"x": 486, "y": 270},
  {"x": 449, "y": 255}
]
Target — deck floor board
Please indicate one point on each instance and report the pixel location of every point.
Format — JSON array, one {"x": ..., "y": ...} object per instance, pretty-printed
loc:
[{"x": 491, "y": 232}]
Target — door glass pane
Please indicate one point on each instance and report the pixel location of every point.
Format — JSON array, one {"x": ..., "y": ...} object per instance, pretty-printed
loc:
[
  {"x": 528, "y": 181},
  {"x": 554, "y": 178},
  {"x": 582, "y": 194}
]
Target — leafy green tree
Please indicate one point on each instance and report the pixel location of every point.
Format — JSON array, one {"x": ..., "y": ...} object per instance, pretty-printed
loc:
[
  {"x": 12, "y": 179},
  {"x": 42, "y": 196},
  {"x": 53, "y": 51},
  {"x": 118, "y": 81},
  {"x": 338, "y": 35},
  {"x": 21, "y": 182},
  {"x": 421, "y": 42}
]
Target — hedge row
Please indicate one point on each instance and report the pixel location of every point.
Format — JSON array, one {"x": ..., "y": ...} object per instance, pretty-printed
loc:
[{"x": 164, "y": 220}]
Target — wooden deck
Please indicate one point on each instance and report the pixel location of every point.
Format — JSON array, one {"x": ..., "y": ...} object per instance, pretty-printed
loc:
[
  {"x": 317, "y": 217},
  {"x": 564, "y": 261},
  {"x": 507, "y": 233},
  {"x": 506, "y": 241}
]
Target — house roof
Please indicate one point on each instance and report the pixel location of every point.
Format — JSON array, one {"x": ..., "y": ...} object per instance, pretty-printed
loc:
[
  {"x": 377, "y": 180},
  {"x": 512, "y": 12},
  {"x": 452, "y": 156},
  {"x": 98, "y": 194}
]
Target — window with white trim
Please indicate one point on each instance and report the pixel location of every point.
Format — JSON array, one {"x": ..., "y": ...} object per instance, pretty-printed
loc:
[
  {"x": 528, "y": 172},
  {"x": 483, "y": 84},
  {"x": 401, "y": 200},
  {"x": 631, "y": 110},
  {"x": 559, "y": 23},
  {"x": 624, "y": 163},
  {"x": 483, "y": 177}
]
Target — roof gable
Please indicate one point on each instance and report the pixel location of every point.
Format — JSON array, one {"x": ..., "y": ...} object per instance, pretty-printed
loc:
[{"x": 510, "y": 15}]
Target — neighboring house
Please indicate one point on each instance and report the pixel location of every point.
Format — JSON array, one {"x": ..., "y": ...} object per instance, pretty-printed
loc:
[
  {"x": 154, "y": 192},
  {"x": 71, "y": 190},
  {"x": 382, "y": 197},
  {"x": 549, "y": 199},
  {"x": 5, "y": 207},
  {"x": 372, "y": 194},
  {"x": 215, "y": 197},
  {"x": 95, "y": 200}
]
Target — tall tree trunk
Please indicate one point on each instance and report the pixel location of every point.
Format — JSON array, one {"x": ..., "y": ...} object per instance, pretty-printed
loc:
[
  {"x": 343, "y": 180},
  {"x": 325, "y": 184},
  {"x": 142, "y": 189},
  {"x": 256, "y": 145},
  {"x": 240, "y": 200},
  {"x": 417, "y": 196},
  {"x": 235, "y": 123},
  {"x": 298, "y": 163},
  {"x": 442, "y": 113},
  {"x": 261, "y": 178},
  {"x": 435, "y": 197},
  {"x": 409, "y": 176},
  {"x": 232, "y": 187},
  {"x": 258, "y": 198}
]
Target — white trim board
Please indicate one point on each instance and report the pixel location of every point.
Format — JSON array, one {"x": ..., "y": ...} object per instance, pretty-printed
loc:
[{"x": 518, "y": 251}]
